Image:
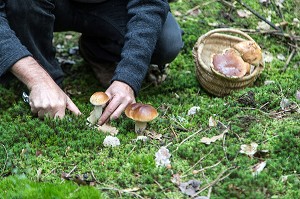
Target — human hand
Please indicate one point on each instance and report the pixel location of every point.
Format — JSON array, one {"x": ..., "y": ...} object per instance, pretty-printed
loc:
[
  {"x": 45, "y": 98},
  {"x": 49, "y": 100},
  {"x": 121, "y": 95}
]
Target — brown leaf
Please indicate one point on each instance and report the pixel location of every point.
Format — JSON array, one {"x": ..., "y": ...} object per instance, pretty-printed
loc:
[
  {"x": 249, "y": 149},
  {"x": 257, "y": 168},
  {"x": 212, "y": 139},
  {"x": 106, "y": 128}
]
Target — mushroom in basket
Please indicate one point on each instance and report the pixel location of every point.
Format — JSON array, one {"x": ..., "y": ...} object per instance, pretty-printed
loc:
[
  {"x": 229, "y": 64},
  {"x": 250, "y": 52}
]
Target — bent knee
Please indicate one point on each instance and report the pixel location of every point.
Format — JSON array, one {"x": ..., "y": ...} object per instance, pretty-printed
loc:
[{"x": 170, "y": 41}]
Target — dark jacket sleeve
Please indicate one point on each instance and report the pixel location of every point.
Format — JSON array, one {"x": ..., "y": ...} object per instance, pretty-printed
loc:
[
  {"x": 143, "y": 29},
  {"x": 11, "y": 49}
]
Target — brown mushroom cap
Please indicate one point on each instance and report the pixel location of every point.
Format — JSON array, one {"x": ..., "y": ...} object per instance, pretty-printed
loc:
[
  {"x": 250, "y": 52},
  {"x": 99, "y": 98},
  {"x": 229, "y": 63},
  {"x": 141, "y": 112}
]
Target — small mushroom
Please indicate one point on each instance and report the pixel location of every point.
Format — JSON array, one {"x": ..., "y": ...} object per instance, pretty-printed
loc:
[
  {"x": 141, "y": 114},
  {"x": 250, "y": 52},
  {"x": 99, "y": 100},
  {"x": 230, "y": 64}
]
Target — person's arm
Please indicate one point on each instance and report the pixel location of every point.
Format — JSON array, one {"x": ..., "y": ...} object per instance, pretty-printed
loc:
[
  {"x": 45, "y": 96},
  {"x": 143, "y": 29},
  {"x": 11, "y": 49}
]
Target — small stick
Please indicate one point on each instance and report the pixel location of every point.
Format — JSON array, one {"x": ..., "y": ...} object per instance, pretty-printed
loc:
[
  {"x": 274, "y": 32},
  {"x": 68, "y": 175},
  {"x": 289, "y": 60},
  {"x": 218, "y": 179},
  {"x": 227, "y": 3},
  {"x": 209, "y": 192},
  {"x": 259, "y": 16},
  {"x": 203, "y": 169},
  {"x": 189, "y": 137},
  {"x": 120, "y": 191},
  {"x": 198, "y": 161}
]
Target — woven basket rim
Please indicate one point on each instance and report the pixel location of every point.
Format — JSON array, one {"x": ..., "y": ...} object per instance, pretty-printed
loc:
[{"x": 219, "y": 33}]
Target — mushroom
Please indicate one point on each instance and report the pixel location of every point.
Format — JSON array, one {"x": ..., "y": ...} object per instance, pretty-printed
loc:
[
  {"x": 141, "y": 114},
  {"x": 230, "y": 64},
  {"x": 99, "y": 100},
  {"x": 250, "y": 52}
]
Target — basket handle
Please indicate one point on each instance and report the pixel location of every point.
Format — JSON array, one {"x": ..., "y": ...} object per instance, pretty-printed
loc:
[{"x": 228, "y": 30}]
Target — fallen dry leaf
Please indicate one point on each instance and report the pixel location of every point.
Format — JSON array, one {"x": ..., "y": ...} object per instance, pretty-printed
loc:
[
  {"x": 244, "y": 13},
  {"x": 257, "y": 168},
  {"x": 176, "y": 179},
  {"x": 190, "y": 188},
  {"x": 106, "y": 128},
  {"x": 212, "y": 139},
  {"x": 193, "y": 110},
  {"x": 249, "y": 150},
  {"x": 212, "y": 122},
  {"x": 111, "y": 141},
  {"x": 267, "y": 82},
  {"x": 162, "y": 157},
  {"x": 281, "y": 57},
  {"x": 153, "y": 135},
  {"x": 133, "y": 189},
  {"x": 285, "y": 104},
  {"x": 142, "y": 138},
  {"x": 268, "y": 57},
  {"x": 263, "y": 25}
]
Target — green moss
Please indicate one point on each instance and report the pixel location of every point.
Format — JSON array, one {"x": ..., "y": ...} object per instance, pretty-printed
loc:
[{"x": 70, "y": 145}]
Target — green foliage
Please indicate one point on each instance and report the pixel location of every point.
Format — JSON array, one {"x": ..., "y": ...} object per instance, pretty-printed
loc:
[
  {"x": 28, "y": 144},
  {"x": 20, "y": 187}
]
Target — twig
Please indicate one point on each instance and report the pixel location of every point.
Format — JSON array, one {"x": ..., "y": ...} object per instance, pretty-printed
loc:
[
  {"x": 198, "y": 162},
  {"x": 93, "y": 175},
  {"x": 161, "y": 187},
  {"x": 4, "y": 166},
  {"x": 259, "y": 16},
  {"x": 208, "y": 167},
  {"x": 131, "y": 151},
  {"x": 289, "y": 60},
  {"x": 68, "y": 175},
  {"x": 209, "y": 192},
  {"x": 218, "y": 179},
  {"x": 273, "y": 32},
  {"x": 189, "y": 137},
  {"x": 224, "y": 147},
  {"x": 175, "y": 135},
  {"x": 50, "y": 172},
  {"x": 120, "y": 191},
  {"x": 227, "y": 3}
]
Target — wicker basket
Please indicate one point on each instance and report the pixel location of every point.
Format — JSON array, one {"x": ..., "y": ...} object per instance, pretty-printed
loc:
[{"x": 212, "y": 42}]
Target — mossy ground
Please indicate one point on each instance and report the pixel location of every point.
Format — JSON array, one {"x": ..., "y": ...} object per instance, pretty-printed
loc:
[{"x": 129, "y": 170}]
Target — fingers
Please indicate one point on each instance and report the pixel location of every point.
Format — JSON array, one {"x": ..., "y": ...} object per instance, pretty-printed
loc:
[
  {"x": 54, "y": 109},
  {"x": 121, "y": 95},
  {"x": 72, "y": 107}
]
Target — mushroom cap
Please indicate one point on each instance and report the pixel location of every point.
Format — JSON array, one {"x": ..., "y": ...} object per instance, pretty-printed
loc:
[
  {"x": 250, "y": 52},
  {"x": 141, "y": 112},
  {"x": 99, "y": 98},
  {"x": 229, "y": 63}
]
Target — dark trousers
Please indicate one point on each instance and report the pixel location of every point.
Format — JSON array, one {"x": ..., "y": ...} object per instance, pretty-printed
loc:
[{"x": 102, "y": 25}]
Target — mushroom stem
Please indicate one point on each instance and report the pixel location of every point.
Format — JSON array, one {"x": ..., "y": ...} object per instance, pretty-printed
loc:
[
  {"x": 140, "y": 126},
  {"x": 95, "y": 115}
]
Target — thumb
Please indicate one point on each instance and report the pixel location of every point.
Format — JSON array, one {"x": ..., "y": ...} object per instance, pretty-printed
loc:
[{"x": 72, "y": 107}]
